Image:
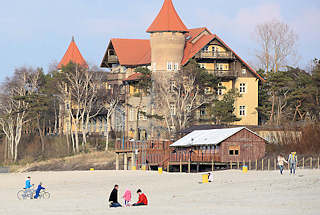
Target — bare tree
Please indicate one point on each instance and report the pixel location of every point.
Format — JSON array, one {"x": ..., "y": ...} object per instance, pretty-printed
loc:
[{"x": 14, "y": 108}]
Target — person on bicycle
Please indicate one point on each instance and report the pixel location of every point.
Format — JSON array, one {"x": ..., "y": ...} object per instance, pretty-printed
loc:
[
  {"x": 39, "y": 190},
  {"x": 28, "y": 186}
]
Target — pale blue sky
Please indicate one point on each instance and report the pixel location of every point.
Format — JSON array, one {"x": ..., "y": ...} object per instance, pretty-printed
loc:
[{"x": 37, "y": 32}]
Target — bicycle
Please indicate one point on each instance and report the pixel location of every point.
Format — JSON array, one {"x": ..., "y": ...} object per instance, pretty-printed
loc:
[
  {"x": 44, "y": 194},
  {"x": 26, "y": 193}
]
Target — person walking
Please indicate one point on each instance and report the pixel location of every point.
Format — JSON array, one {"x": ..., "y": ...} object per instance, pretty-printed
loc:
[
  {"x": 293, "y": 161},
  {"x": 281, "y": 161},
  {"x": 113, "y": 199}
]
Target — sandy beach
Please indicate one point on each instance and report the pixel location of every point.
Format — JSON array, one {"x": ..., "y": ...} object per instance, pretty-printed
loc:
[{"x": 233, "y": 192}]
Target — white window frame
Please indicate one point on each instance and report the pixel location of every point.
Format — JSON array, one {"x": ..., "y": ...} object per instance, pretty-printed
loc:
[
  {"x": 169, "y": 66},
  {"x": 220, "y": 66},
  {"x": 202, "y": 65},
  {"x": 154, "y": 67},
  {"x": 244, "y": 71},
  {"x": 206, "y": 49},
  {"x": 242, "y": 110},
  {"x": 176, "y": 66},
  {"x": 142, "y": 116},
  {"x": 243, "y": 88},
  {"x": 173, "y": 109}
]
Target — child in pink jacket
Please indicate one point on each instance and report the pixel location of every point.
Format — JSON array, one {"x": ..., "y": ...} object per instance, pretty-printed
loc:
[{"x": 127, "y": 197}]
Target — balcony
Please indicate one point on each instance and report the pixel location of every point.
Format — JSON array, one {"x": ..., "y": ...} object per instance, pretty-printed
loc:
[
  {"x": 112, "y": 59},
  {"x": 223, "y": 73},
  {"x": 215, "y": 55}
]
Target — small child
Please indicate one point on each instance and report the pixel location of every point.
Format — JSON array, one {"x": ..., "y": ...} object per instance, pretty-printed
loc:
[
  {"x": 210, "y": 177},
  {"x": 39, "y": 190},
  {"x": 127, "y": 197}
]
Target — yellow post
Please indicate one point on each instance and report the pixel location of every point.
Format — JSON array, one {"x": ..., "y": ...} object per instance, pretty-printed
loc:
[
  {"x": 205, "y": 178},
  {"x": 143, "y": 167},
  {"x": 303, "y": 162},
  {"x": 133, "y": 168},
  {"x": 189, "y": 166},
  {"x": 180, "y": 165},
  {"x": 268, "y": 164},
  {"x": 262, "y": 165},
  {"x": 311, "y": 163},
  {"x": 256, "y": 164},
  {"x": 244, "y": 169},
  {"x": 91, "y": 169},
  {"x": 230, "y": 164},
  {"x": 249, "y": 168},
  {"x": 160, "y": 170}
]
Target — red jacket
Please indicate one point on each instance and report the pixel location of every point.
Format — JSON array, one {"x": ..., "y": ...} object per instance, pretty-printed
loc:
[{"x": 143, "y": 199}]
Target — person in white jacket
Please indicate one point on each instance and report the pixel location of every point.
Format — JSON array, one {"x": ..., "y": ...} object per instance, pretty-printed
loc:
[{"x": 281, "y": 161}]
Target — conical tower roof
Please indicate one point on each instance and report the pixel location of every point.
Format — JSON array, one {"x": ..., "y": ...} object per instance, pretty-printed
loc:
[
  {"x": 167, "y": 20},
  {"x": 72, "y": 55}
]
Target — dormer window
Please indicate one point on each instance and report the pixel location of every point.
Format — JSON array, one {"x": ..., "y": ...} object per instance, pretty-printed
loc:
[{"x": 206, "y": 49}]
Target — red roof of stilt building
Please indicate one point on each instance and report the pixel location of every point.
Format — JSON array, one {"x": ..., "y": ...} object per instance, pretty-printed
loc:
[
  {"x": 72, "y": 55},
  {"x": 167, "y": 20}
]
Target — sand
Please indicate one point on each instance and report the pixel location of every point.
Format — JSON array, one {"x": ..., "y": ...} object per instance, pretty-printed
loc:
[{"x": 233, "y": 192}]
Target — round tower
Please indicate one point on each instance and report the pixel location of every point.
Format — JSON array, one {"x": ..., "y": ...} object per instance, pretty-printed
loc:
[{"x": 167, "y": 39}]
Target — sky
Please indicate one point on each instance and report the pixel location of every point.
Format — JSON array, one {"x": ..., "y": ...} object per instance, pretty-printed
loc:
[{"x": 37, "y": 33}]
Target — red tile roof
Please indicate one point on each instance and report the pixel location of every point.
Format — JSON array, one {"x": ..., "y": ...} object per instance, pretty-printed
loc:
[
  {"x": 133, "y": 77},
  {"x": 132, "y": 51},
  {"x": 72, "y": 55},
  {"x": 167, "y": 20}
]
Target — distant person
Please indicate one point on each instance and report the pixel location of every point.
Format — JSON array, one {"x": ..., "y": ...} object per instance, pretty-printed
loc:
[
  {"x": 281, "y": 161},
  {"x": 113, "y": 199},
  {"x": 39, "y": 188},
  {"x": 127, "y": 197},
  {"x": 142, "y": 199},
  {"x": 210, "y": 177},
  {"x": 293, "y": 161}
]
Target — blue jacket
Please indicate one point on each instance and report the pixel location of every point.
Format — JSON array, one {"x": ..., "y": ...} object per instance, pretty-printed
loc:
[
  {"x": 28, "y": 184},
  {"x": 39, "y": 188}
]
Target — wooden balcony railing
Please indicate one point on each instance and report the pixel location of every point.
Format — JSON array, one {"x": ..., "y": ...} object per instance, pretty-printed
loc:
[
  {"x": 202, "y": 157},
  {"x": 223, "y": 73},
  {"x": 215, "y": 55},
  {"x": 112, "y": 59}
]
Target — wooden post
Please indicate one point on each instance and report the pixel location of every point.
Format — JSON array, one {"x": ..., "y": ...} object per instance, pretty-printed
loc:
[
  {"x": 256, "y": 164},
  {"x": 230, "y": 164},
  {"x": 275, "y": 164},
  {"x": 125, "y": 161},
  {"x": 180, "y": 165},
  {"x": 238, "y": 165},
  {"x": 249, "y": 167},
  {"x": 117, "y": 161},
  {"x": 189, "y": 166},
  {"x": 311, "y": 163},
  {"x": 303, "y": 162},
  {"x": 318, "y": 162},
  {"x": 262, "y": 165},
  {"x": 212, "y": 169},
  {"x": 168, "y": 167},
  {"x": 268, "y": 164}
]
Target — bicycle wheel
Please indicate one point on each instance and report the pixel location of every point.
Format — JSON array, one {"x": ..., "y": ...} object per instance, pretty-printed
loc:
[
  {"x": 21, "y": 195},
  {"x": 46, "y": 195}
]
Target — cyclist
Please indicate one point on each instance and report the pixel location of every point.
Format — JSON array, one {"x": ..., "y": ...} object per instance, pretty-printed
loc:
[
  {"x": 39, "y": 190},
  {"x": 28, "y": 186}
]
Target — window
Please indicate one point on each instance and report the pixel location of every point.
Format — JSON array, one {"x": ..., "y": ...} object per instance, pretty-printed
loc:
[
  {"x": 109, "y": 86},
  {"x": 202, "y": 65},
  {"x": 219, "y": 66},
  {"x": 142, "y": 114},
  {"x": 219, "y": 92},
  {"x": 234, "y": 150},
  {"x": 206, "y": 49},
  {"x": 208, "y": 90},
  {"x": 176, "y": 67},
  {"x": 244, "y": 71},
  {"x": 214, "y": 49},
  {"x": 242, "y": 87},
  {"x": 242, "y": 110},
  {"x": 173, "y": 109},
  {"x": 169, "y": 66},
  {"x": 172, "y": 86},
  {"x": 202, "y": 111},
  {"x": 154, "y": 66}
]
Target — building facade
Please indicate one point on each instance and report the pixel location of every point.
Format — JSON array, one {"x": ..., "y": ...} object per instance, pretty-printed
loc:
[{"x": 171, "y": 46}]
